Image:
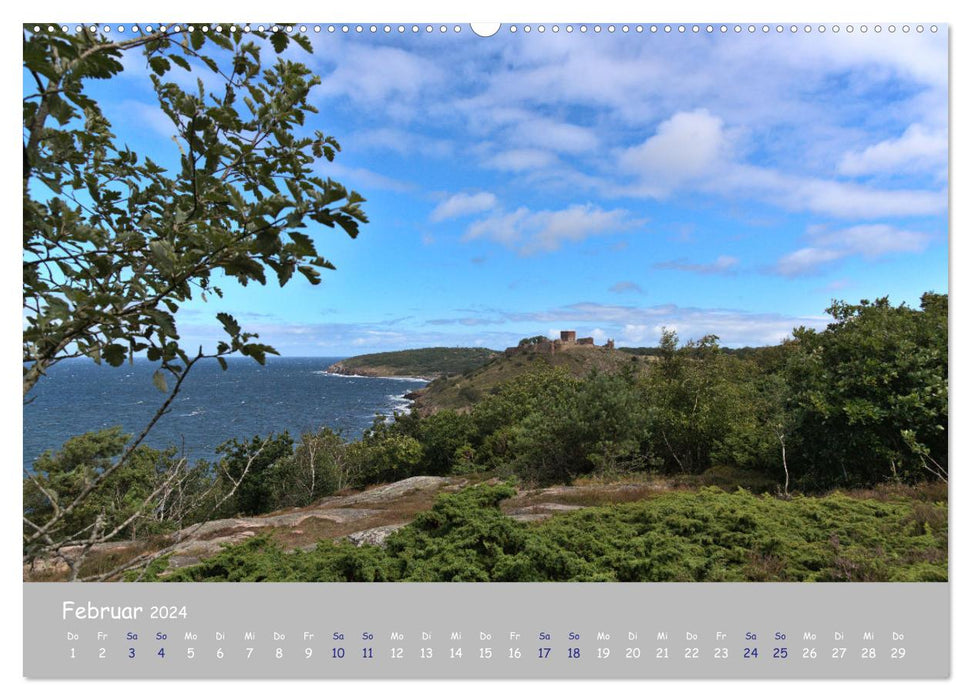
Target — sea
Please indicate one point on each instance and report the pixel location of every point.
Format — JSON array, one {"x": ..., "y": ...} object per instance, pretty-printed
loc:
[{"x": 247, "y": 399}]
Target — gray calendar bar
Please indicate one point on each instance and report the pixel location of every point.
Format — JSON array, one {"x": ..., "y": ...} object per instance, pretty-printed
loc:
[{"x": 511, "y": 630}]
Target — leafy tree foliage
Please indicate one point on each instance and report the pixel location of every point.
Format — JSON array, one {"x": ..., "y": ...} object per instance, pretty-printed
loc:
[
  {"x": 114, "y": 243},
  {"x": 316, "y": 468},
  {"x": 869, "y": 395},
  {"x": 441, "y": 436},
  {"x": 79, "y": 460},
  {"x": 860, "y": 403},
  {"x": 706, "y": 406},
  {"x": 384, "y": 454},
  {"x": 254, "y": 465},
  {"x": 153, "y": 491}
]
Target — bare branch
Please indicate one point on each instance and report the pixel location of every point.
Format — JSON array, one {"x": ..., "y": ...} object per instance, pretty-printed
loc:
[
  {"x": 100, "y": 478},
  {"x": 147, "y": 559}
]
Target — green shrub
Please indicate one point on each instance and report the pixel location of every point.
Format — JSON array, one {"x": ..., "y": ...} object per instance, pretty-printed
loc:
[{"x": 707, "y": 535}]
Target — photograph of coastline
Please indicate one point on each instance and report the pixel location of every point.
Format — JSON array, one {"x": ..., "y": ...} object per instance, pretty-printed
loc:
[{"x": 564, "y": 303}]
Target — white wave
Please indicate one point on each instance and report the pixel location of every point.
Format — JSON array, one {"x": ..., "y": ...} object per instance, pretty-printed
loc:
[
  {"x": 365, "y": 376},
  {"x": 399, "y": 404}
]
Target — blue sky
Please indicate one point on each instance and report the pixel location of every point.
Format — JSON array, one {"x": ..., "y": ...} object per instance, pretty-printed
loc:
[{"x": 610, "y": 183}]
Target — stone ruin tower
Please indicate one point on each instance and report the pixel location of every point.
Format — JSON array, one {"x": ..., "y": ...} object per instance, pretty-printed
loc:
[{"x": 543, "y": 345}]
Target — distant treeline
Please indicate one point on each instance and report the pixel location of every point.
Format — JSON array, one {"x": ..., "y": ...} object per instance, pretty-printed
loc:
[
  {"x": 422, "y": 362},
  {"x": 863, "y": 402},
  {"x": 658, "y": 351}
]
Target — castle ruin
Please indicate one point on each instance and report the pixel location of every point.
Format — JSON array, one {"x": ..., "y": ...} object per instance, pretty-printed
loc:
[{"x": 545, "y": 346}]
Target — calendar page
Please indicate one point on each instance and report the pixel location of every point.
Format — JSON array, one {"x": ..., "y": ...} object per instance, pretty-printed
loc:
[{"x": 533, "y": 350}]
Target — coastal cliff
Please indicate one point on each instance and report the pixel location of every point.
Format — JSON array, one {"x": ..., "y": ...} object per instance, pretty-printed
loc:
[{"x": 423, "y": 363}]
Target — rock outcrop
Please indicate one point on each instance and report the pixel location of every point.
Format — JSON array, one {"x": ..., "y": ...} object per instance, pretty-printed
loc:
[{"x": 363, "y": 518}]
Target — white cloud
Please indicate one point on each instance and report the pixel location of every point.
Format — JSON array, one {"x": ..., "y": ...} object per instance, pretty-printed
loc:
[
  {"x": 870, "y": 241},
  {"x": 545, "y": 231},
  {"x": 574, "y": 224},
  {"x": 723, "y": 265},
  {"x": 641, "y": 325},
  {"x": 820, "y": 105},
  {"x": 733, "y": 328},
  {"x": 820, "y": 196},
  {"x": 503, "y": 227},
  {"x": 463, "y": 204},
  {"x": 557, "y": 136},
  {"x": 873, "y": 240},
  {"x": 362, "y": 179},
  {"x": 149, "y": 115},
  {"x": 399, "y": 141},
  {"x": 626, "y": 287},
  {"x": 379, "y": 75},
  {"x": 520, "y": 159},
  {"x": 369, "y": 338},
  {"x": 918, "y": 149},
  {"x": 807, "y": 261},
  {"x": 694, "y": 151},
  {"x": 850, "y": 200},
  {"x": 918, "y": 57},
  {"x": 686, "y": 147}
]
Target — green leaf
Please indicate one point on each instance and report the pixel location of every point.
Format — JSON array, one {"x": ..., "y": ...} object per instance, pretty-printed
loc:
[
  {"x": 229, "y": 324},
  {"x": 159, "y": 65},
  {"x": 304, "y": 42},
  {"x": 115, "y": 354},
  {"x": 279, "y": 39},
  {"x": 180, "y": 61},
  {"x": 213, "y": 66},
  {"x": 258, "y": 351},
  {"x": 164, "y": 255},
  {"x": 154, "y": 238},
  {"x": 158, "y": 379},
  {"x": 197, "y": 38},
  {"x": 303, "y": 244}
]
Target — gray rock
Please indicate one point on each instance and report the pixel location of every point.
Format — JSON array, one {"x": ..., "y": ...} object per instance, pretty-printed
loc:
[
  {"x": 530, "y": 517},
  {"x": 375, "y": 535},
  {"x": 389, "y": 492},
  {"x": 548, "y": 508}
]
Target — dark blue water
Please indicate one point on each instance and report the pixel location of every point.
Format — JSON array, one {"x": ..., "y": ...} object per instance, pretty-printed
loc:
[{"x": 292, "y": 394}]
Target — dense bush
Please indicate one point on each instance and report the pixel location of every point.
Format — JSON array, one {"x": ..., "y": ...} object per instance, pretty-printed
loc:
[
  {"x": 116, "y": 510},
  {"x": 862, "y": 402},
  {"x": 706, "y": 407},
  {"x": 869, "y": 395},
  {"x": 256, "y": 466},
  {"x": 708, "y": 535}
]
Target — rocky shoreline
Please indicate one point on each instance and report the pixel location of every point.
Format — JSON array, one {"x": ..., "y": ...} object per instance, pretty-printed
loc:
[{"x": 378, "y": 372}]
